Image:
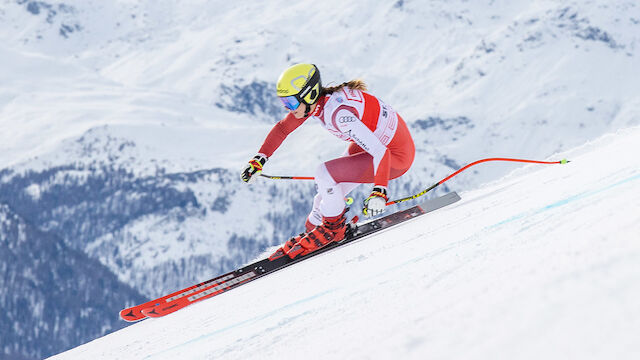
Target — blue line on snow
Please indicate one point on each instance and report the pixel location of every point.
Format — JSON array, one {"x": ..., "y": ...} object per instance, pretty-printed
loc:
[
  {"x": 562, "y": 202},
  {"x": 244, "y": 322},
  {"x": 513, "y": 218},
  {"x": 321, "y": 294}
]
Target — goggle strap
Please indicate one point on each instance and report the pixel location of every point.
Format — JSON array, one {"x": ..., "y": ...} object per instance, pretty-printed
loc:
[{"x": 315, "y": 79}]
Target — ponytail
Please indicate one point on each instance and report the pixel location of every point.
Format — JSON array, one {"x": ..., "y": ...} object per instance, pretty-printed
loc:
[{"x": 356, "y": 84}]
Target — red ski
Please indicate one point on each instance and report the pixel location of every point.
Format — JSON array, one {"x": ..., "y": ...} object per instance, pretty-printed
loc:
[
  {"x": 135, "y": 313},
  {"x": 206, "y": 292},
  {"x": 180, "y": 299}
]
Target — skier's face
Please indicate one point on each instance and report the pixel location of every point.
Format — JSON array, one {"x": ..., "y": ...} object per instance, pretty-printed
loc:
[{"x": 299, "y": 112}]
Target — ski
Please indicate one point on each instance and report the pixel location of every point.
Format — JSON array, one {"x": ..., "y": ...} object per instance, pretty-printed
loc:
[
  {"x": 215, "y": 286},
  {"x": 134, "y": 313}
]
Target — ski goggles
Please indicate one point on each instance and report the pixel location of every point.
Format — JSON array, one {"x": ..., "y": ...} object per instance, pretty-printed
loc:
[{"x": 290, "y": 102}]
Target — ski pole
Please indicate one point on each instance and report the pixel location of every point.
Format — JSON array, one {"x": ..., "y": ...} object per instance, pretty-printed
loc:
[
  {"x": 348, "y": 200},
  {"x": 421, "y": 193},
  {"x": 288, "y": 177},
  {"x": 563, "y": 161}
]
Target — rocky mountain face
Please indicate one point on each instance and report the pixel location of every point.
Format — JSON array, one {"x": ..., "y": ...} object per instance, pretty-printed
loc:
[
  {"x": 123, "y": 127},
  {"x": 53, "y": 297}
]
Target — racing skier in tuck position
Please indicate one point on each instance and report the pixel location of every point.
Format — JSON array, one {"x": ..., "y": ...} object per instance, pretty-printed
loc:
[{"x": 380, "y": 149}]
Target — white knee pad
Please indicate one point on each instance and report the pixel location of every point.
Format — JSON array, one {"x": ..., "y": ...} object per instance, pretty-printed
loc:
[
  {"x": 332, "y": 203},
  {"x": 315, "y": 217}
]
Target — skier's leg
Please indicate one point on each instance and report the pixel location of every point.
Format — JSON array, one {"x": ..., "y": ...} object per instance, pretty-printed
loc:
[
  {"x": 331, "y": 207},
  {"x": 315, "y": 217},
  {"x": 338, "y": 177},
  {"x": 332, "y": 203}
]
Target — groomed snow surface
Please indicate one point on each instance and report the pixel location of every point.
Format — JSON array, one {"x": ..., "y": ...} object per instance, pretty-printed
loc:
[{"x": 544, "y": 263}]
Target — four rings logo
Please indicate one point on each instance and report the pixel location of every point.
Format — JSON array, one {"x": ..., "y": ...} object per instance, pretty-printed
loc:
[{"x": 346, "y": 119}]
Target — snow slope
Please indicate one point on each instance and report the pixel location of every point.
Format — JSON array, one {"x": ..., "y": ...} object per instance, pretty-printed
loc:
[
  {"x": 540, "y": 264},
  {"x": 123, "y": 123}
]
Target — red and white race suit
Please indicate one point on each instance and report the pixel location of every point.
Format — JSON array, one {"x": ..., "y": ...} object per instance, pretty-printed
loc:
[{"x": 381, "y": 146}]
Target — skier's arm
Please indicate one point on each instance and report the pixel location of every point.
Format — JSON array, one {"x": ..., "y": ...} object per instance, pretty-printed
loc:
[
  {"x": 279, "y": 132},
  {"x": 276, "y": 136},
  {"x": 381, "y": 177}
]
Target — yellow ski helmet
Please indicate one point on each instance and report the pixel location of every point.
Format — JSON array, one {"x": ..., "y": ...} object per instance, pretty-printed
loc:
[{"x": 298, "y": 84}]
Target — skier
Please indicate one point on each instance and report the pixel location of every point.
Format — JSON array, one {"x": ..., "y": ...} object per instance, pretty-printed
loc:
[{"x": 380, "y": 149}]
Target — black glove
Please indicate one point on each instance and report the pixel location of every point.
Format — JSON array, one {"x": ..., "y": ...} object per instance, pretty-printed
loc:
[{"x": 254, "y": 167}]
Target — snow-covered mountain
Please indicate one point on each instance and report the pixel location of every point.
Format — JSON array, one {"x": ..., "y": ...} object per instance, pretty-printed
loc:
[
  {"x": 542, "y": 264},
  {"x": 123, "y": 125}
]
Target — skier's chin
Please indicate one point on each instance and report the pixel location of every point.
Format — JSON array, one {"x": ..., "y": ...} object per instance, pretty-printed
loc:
[{"x": 297, "y": 113}]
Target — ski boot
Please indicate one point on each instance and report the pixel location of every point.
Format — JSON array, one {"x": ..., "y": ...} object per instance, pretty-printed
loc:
[
  {"x": 284, "y": 249},
  {"x": 331, "y": 229}
]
